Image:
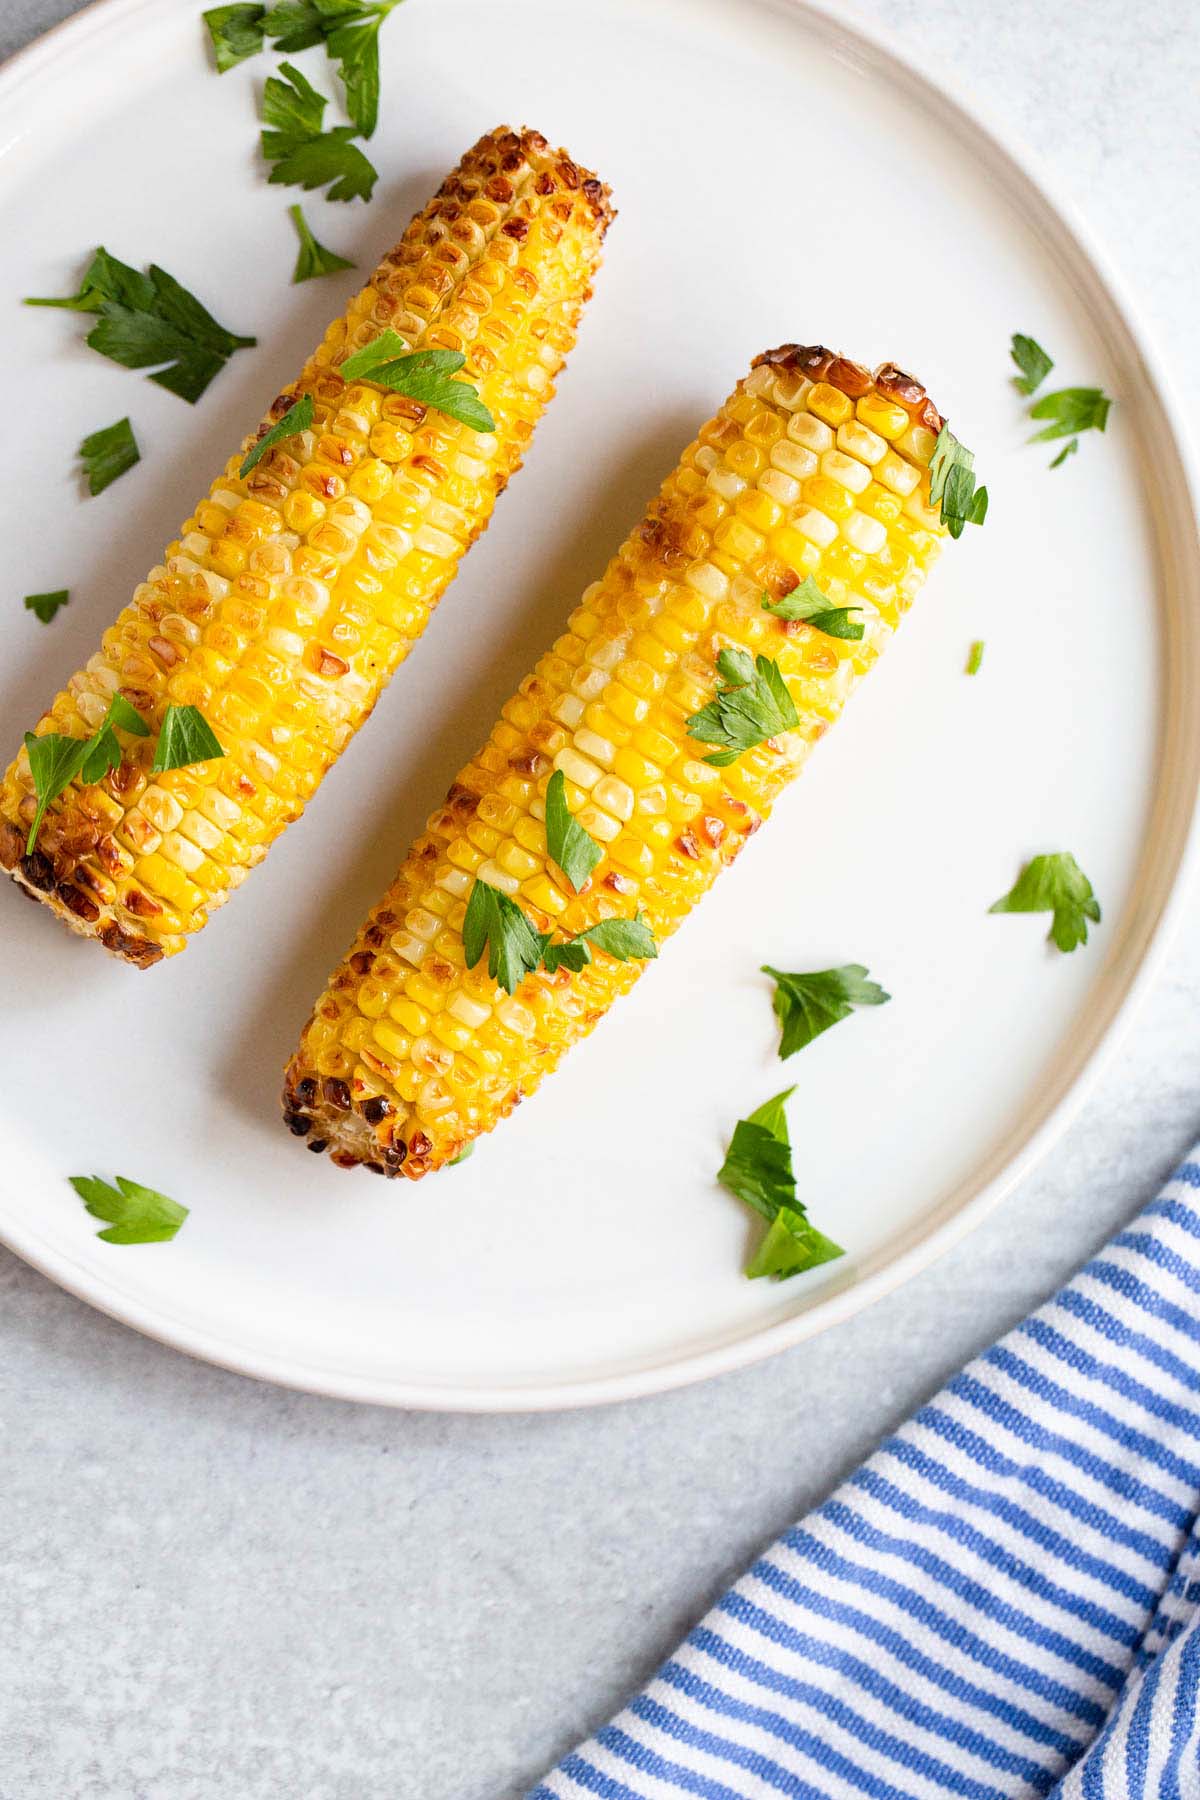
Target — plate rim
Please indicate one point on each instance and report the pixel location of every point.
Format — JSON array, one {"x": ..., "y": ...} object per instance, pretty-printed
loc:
[{"x": 956, "y": 100}]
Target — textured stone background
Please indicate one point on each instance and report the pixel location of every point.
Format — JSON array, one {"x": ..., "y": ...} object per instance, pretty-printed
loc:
[{"x": 212, "y": 1590}]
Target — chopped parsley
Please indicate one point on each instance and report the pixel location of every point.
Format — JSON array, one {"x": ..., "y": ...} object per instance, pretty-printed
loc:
[
  {"x": 46, "y": 605},
  {"x": 975, "y": 660},
  {"x": 107, "y": 454},
  {"x": 301, "y": 153},
  {"x": 1055, "y": 884},
  {"x": 807, "y": 602},
  {"x": 55, "y": 760},
  {"x": 313, "y": 259},
  {"x": 296, "y": 419},
  {"x": 952, "y": 484},
  {"x": 758, "y": 1169},
  {"x": 1068, "y": 449},
  {"x": 574, "y": 850},
  {"x": 1031, "y": 360},
  {"x": 1070, "y": 411},
  {"x": 186, "y": 737},
  {"x": 807, "y": 1005},
  {"x": 135, "y": 1214},
  {"x": 349, "y": 30},
  {"x": 423, "y": 375},
  {"x": 752, "y": 705},
  {"x": 150, "y": 319},
  {"x": 497, "y": 925}
]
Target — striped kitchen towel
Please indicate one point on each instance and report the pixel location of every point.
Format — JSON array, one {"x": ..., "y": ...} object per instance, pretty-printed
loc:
[{"x": 1003, "y": 1601}]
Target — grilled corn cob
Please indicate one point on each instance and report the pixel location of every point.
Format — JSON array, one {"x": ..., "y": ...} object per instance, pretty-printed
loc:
[
  {"x": 812, "y": 468},
  {"x": 292, "y": 595}
]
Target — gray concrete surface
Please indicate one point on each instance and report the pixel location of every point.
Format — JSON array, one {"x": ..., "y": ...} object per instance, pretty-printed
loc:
[{"x": 212, "y": 1590}]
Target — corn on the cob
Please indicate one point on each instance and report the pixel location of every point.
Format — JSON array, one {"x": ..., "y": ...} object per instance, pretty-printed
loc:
[
  {"x": 292, "y": 595},
  {"x": 812, "y": 468}
]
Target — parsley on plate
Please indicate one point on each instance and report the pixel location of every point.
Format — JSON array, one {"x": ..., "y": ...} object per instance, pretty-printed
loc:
[
  {"x": 303, "y": 155},
  {"x": 1031, "y": 360},
  {"x": 348, "y": 29},
  {"x": 135, "y": 1214},
  {"x": 807, "y": 1005},
  {"x": 1055, "y": 884},
  {"x": 758, "y": 1169},
  {"x": 107, "y": 454},
  {"x": 46, "y": 605},
  {"x": 312, "y": 258}
]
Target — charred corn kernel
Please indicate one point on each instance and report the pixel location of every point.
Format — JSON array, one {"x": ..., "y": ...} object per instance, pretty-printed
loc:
[
  {"x": 291, "y": 596},
  {"x": 667, "y": 821}
]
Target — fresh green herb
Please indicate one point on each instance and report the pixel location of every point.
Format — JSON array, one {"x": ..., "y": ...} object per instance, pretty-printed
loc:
[
  {"x": 952, "y": 484},
  {"x": 466, "y": 1151},
  {"x": 628, "y": 940},
  {"x": 423, "y": 375},
  {"x": 1031, "y": 360},
  {"x": 236, "y": 33},
  {"x": 758, "y": 1169},
  {"x": 975, "y": 660},
  {"x": 185, "y": 737},
  {"x": 1068, "y": 449},
  {"x": 55, "y": 760},
  {"x": 807, "y": 602},
  {"x": 1056, "y": 884},
  {"x": 149, "y": 319},
  {"x": 107, "y": 454},
  {"x": 752, "y": 705},
  {"x": 46, "y": 605},
  {"x": 496, "y": 924},
  {"x": 570, "y": 846},
  {"x": 135, "y": 1214},
  {"x": 1070, "y": 411},
  {"x": 348, "y": 29},
  {"x": 296, "y": 419},
  {"x": 313, "y": 258},
  {"x": 300, "y": 152},
  {"x": 807, "y": 1005}
]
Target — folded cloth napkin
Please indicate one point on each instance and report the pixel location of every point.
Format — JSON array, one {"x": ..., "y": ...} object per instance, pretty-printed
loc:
[{"x": 1001, "y": 1602}]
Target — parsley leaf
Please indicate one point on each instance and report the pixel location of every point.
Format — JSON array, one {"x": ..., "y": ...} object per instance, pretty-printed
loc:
[
  {"x": 1031, "y": 360},
  {"x": 236, "y": 33},
  {"x": 758, "y": 1169},
  {"x": 354, "y": 46},
  {"x": 46, "y": 605},
  {"x": 107, "y": 454},
  {"x": 807, "y": 602},
  {"x": 628, "y": 940},
  {"x": 569, "y": 845},
  {"x": 149, "y": 319},
  {"x": 952, "y": 484},
  {"x": 135, "y": 1214},
  {"x": 296, "y": 419},
  {"x": 312, "y": 258},
  {"x": 1056, "y": 884},
  {"x": 752, "y": 705},
  {"x": 496, "y": 924},
  {"x": 55, "y": 760},
  {"x": 975, "y": 660},
  {"x": 422, "y": 374},
  {"x": 185, "y": 737},
  {"x": 466, "y": 1151},
  {"x": 303, "y": 154},
  {"x": 807, "y": 1005},
  {"x": 1068, "y": 449},
  {"x": 1070, "y": 410}
]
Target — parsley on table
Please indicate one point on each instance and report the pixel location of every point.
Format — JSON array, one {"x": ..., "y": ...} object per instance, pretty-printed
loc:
[
  {"x": 574, "y": 850},
  {"x": 349, "y": 30},
  {"x": 952, "y": 484},
  {"x": 1031, "y": 360},
  {"x": 135, "y": 1214},
  {"x": 422, "y": 375},
  {"x": 300, "y": 152},
  {"x": 46, "y": 605},
  {"x": 107, "y": 454},
  {"x": 807, "y": 1005},
  {"x": 149, "y": 319},
  {"x": 975, "y": 660},
  {"x": 312, "y": 258},
  {"x": 1055, "y": 884},
  {"x": 807, "y": 602},
  {"x": 752, "y": 705},
  {"x": 515, "y": 948},
  {"x": 296, "y": 419},
  {"x": 758, "y": 1169},
  {"x": 185, "y": 737}
]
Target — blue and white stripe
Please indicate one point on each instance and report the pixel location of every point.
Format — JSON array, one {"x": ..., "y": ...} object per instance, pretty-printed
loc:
[{"x": 1003, "y": 1602}]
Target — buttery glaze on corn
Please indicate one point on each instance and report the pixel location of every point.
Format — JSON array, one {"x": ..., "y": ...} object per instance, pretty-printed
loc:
[
  {"x": 291, "y": 596},
  {"x": 812, "y": 467}
]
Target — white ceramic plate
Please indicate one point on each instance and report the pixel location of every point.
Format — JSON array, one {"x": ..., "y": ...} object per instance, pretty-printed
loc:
[{"x": 780, "y": 175}]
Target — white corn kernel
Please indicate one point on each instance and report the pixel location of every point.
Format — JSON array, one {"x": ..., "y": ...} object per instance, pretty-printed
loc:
[
  {"x": 577, "y": 768},
  {"x": 436, "y": 543},
  {"x": 781, "y": 487},
  {"x": 805, "y": 428},
  {"x": 725, "y": 483},
  {"x": 857, "y": 439},
  {"x": 708, "y": 580},
  {"x": 840, "y": 467},
  {"x": 496, "y": 877},
  {"x": 818, "y": 527},
  {"x": 469, "y": 1012},
  {"x": 412, "y": 949},
  {"x": 597, "y": 747},
  {"x": 515, "y": 1017},
  {"x": 568, "y": 710},
  {"x": 897, "y": 474},
  {"x": 598, "y": 824},
  {"x": 456, "y": 882},
  {"x": 615, "y": 796},
  {"x": 793, "y": 459},
  {"x": 864, "y": 533}
]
